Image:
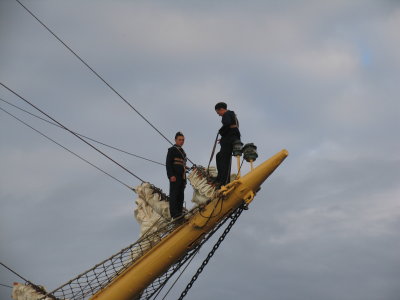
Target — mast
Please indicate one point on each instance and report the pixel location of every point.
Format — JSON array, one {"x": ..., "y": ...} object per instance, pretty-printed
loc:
[{"x": 129, "y": 284}]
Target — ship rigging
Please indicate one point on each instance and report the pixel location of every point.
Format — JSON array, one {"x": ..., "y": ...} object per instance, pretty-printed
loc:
[{"x": 142, "y": 270}]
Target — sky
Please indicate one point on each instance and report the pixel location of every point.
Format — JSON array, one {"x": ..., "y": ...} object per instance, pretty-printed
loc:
[{"x": 318, "y": 78}]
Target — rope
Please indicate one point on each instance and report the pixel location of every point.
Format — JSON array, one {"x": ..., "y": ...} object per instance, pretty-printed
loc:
[
  {"x": 80, "y": 157},
  {"x": 15, "y": 273},
  {"x": 5, "y": 285},
  {"x": 190, "y": 256},
  {"x": 93, "y": 71},
  {"x": 86, "y": 142},
  {"x": 98, "y": 277},
  {"x": 176, "y": 280},
  {"x": 212, "y": 153},
  {"x": 86, "y": 137},
  {"x": 97, "y": 75},
  {"x": 178, "y": 265},
  {"x": 37, "y": 288},
  {"x": 235, "y": 215}
]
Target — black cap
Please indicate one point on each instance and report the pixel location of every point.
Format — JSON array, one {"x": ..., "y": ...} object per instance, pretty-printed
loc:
[{"x": 221, "y": 105}]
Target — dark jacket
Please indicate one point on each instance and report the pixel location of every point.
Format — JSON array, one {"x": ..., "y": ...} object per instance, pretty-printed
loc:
[
  {"x": 230, "y": 126},
  {"x": 176, "y": 162}
]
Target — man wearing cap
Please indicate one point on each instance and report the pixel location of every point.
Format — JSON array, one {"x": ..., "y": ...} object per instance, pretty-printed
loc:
[
  {"x": 229, "y": 134},
  {"x": 176, "y": 172}
]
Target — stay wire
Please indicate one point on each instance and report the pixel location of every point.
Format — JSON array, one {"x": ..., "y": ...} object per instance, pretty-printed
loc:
[
  {"x": 212, "y": 154},
  {"x": 65, "y": 148},
  {"x": 15, "y": 273},
  {"x": 179, "y": 276},
  {"x": 195, "y": 252},
  {"x": 86, "y": 137},
  {"x": 234, "y": 216},
  {"x": 95, "y": 73},
  {"x": 82, "y": 139},
  {"x": 34, "y": 286}
]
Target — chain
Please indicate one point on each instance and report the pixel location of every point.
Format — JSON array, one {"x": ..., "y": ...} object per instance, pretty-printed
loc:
[{"x": 235, "y": 215}]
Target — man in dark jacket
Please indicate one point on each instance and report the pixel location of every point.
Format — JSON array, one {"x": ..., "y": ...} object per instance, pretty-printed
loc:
[
  {"x": 176, "y": 172},
  {"x": 229, "y": 134}
]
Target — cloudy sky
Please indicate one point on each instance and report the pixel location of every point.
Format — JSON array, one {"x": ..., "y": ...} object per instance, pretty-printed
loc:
[{"x": 319, "y": 78}]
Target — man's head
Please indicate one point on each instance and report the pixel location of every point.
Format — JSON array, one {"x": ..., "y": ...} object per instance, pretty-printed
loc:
[
  {"x": 179, "y": 139},
  {"x": 221, "y": 108}
]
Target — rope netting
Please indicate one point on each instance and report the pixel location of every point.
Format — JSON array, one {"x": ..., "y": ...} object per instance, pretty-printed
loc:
[
  {"x": 101, "y": 275},
  {"x": 98, "y": 277},
  {"x": 95, "y": 279}
]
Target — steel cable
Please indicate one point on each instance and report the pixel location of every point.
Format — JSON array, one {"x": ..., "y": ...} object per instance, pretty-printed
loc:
[
  {"x": 96, "y": 74},
  {"x": 82, "y": 139},
  {"x": 65, "y": 148},
  {"x": 34, "y": 286},
  {"x": 93, "y": 71},
  {"x": 84, "y": 136},
  {"x": 235, "y": 215},
  {"x": 15, "y": 273}
]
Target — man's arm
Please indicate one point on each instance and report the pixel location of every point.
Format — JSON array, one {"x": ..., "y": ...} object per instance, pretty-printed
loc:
[
  {"x": 227, "y": 120},
  {"x": 169, "y": 165}
]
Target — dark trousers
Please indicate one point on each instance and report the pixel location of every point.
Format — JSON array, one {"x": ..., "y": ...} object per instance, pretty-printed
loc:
[
  {"x": 224, "y": 160},
  {"x": 176, "y": 197}
]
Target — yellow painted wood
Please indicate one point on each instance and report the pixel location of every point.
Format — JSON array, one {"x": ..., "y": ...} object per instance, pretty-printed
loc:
[{"x": 157, "y": 260}]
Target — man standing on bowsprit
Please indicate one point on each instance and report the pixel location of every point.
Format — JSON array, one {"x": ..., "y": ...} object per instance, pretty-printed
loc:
[
  {"x": 176, "y": 172},
  {"x": 229, "y": 133}
]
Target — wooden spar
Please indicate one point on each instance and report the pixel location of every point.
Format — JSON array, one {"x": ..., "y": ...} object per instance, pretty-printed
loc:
[{"x": 157, "y": 260}]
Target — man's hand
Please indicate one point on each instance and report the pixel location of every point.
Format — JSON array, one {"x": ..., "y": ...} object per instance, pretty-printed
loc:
[{"x": 172, "y": 179}]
